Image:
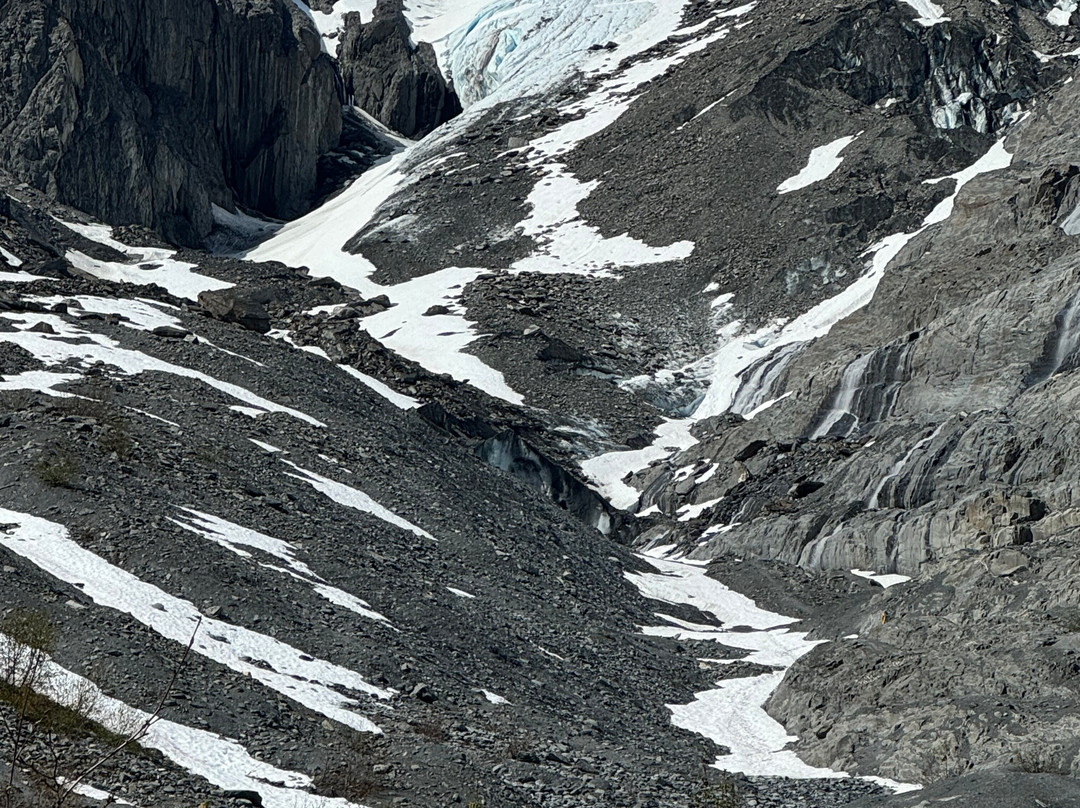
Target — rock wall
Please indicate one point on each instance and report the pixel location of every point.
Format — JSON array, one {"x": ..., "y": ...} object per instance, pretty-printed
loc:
[
  {"x": 390, "y": 77},
  {"x": 148, "y": 112}
]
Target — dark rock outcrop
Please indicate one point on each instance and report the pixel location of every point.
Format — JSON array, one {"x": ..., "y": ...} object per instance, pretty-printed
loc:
[
  {"x": 244, "y": 307},
  {"x": 390, "y": 77},
  {"x": 146, "y": 112}
]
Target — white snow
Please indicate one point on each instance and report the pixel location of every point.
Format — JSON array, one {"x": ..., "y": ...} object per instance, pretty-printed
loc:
[
  {"x": 399, "y": 400},
  {"x": 526, "y": 48},
  {"x": 19, "y": 277},
  {"x": 266, "y": 447},
  {"x": 930, "y": 14},
  {"x": 823, "y": 161},
  {"x": 71, "y": 343},
  {"x": 689, "y": 512},
  {"x": 235, "y": 538},
  {"x": 885, "y": 579},
  {"x": 679, "y": 582},
  {"x": 222, "y": 761},
  {"x": 437, "y": 343},
  {"x": 355, "y": 499},
  {"x": 298, "y": 676},
  {"x": 740, "y": 351},
  {"x": 494, "y": 698},
  {"x": 1060, "y": 13},
  {"x": 732, "y": 714},
  {"x": 146, "y": 265},
  {"x": 42, "y": 381},
  {"x": 250, "y": 412},
  {"x": 608, "y": 470},
  {"x": 461, "y": 593},
  {"x": 86, "y": 790},
  {"x": 10, "y": 258}
]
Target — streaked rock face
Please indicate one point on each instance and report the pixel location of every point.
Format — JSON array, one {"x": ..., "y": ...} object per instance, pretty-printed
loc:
[{"x": 146, "y": 112}]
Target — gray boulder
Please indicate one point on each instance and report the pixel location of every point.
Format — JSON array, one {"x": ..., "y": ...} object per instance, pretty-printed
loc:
[{"x": 246, "y": 307}]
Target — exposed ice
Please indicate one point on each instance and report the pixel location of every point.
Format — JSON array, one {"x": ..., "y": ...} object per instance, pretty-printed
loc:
[
  {"x": 355, "y": 499},
  {"x": 461, "y": 593},
  {"x": 824, "y": 160},
  {"x": 494, "y": 698},
  {"x": 292, "y": 673}
]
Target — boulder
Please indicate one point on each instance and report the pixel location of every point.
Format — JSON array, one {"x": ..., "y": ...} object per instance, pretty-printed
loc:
[{"x": 246, "y": 307}]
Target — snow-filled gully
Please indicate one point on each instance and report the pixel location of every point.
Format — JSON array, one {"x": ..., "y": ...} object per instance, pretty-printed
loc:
[
  {"x": 739, "y": 351},
  {"x": 733, "y": 714},
  {"x": 509, "y": 50}
]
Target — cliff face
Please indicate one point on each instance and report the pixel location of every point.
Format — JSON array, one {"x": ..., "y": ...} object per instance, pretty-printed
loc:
[
  {"x": 393, "y": 79},
  {"x": 145, "y": 111}
]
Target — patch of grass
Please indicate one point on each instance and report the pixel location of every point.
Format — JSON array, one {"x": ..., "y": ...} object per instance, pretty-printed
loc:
[
  {"x": 724, "y": 794},
  {"x": 117, "y": 440},
  {"x": 352, "y": 777},
  {"x": 58, "y": 469}
]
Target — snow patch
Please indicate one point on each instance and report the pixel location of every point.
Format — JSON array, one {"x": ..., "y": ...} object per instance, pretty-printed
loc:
[
  {"x": 10, "y": 258},
  {"x": 303, "y": 678},
  {"x": 70, "y": 343},
  {"x": 355, "y": 499},
  {"x": 931, "y": 14},
  {"x": 733, "y": 713},
  {"x": 221, "y": 761},
  {"x": 235, "y": 538},
  {"x": 884, "y": 579},
  {"x": 823, "y": 161},
  {"x": 146, "y": 265}
]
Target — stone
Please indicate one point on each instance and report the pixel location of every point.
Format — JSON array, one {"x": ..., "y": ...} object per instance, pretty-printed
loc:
[
  {"x": 245, "y": 307},
  {"x": 1007, "y": 562}
]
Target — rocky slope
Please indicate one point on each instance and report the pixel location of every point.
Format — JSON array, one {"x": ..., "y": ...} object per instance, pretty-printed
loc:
[{"x": 690, "y": 292}]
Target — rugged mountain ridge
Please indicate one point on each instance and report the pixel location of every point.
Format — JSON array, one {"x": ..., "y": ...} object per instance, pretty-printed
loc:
[{"x": 391, "y": 77}]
